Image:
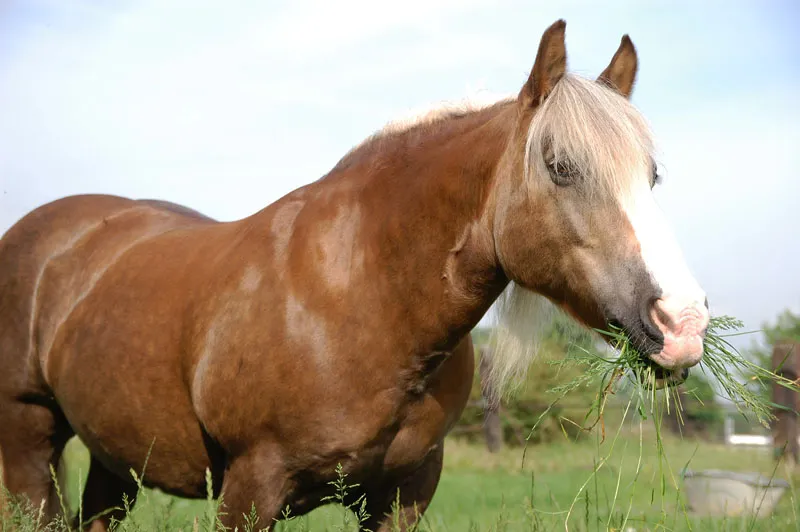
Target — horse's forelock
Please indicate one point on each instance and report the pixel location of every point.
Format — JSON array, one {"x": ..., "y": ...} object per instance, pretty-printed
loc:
[{"x": 597, "y": 130}]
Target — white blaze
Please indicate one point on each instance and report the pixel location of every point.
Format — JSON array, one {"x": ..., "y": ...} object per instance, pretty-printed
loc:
[
  {"x": 660, "y": 252},
  {"x": 680, "y": 312}
]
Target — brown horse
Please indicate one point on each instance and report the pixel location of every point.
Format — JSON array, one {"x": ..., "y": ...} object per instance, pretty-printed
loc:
[{"x": 332, "y": 327}]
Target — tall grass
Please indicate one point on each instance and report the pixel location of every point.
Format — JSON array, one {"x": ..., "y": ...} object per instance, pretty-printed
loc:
[
  {"x": 630, "y": 468},
  {"x": 485, "y": 492}
]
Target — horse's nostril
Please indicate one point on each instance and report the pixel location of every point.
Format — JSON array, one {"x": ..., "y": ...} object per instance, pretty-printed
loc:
[{"x": 646, "y": 318}]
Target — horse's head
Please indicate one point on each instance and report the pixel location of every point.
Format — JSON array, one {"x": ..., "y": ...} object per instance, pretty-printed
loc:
[{"x": 575, "y": 218}]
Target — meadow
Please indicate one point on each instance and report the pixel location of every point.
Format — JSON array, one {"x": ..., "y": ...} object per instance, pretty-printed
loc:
[
  {"x": 622, "y": 475},
  {"x": 633, "y": 489}
]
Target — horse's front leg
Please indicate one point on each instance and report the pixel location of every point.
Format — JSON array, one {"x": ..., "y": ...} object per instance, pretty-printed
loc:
[
  {"x": 255, "y": 478},
  {"x": 399, "y": 505}
]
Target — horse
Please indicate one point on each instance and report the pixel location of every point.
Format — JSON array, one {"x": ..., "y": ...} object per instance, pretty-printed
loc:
[{"x": 330, "y": 331}]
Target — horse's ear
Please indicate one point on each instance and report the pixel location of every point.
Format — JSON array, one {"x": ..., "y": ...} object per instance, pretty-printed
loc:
[
  {"x": 620, "y": 73},
  {"x": 549, "y": 67}
]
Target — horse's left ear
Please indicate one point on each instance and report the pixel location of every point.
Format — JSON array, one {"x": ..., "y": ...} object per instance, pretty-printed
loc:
[
  {"x": 621, "y": 72},
  {"x": 549, "y": 67}
]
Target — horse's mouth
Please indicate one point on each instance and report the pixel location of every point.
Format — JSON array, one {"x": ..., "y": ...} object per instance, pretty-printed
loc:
[
  {"x": 650, "y": 343},
  {"x": 664, "y": 378}
]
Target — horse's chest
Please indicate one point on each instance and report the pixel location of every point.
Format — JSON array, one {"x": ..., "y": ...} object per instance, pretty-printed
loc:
[
  {"x": 396, "y": 452},
  {"x": 425, "y": 426},
  {"x": 422, "y": 419}
]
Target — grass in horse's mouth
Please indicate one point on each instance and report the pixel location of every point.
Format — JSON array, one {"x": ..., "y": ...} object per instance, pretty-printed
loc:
[
  {"x": 669, "y": 378},
  {"x": 738, "y": 377},
  {"x": 629, "y": 369},
  {"x": 621, "y": 341}
]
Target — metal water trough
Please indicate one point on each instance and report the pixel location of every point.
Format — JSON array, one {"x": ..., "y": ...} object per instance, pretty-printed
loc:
[{"x": 717, "y": 493}]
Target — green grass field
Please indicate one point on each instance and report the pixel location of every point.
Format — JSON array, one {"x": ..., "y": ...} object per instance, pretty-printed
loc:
[{"x": 493, "y": 492}]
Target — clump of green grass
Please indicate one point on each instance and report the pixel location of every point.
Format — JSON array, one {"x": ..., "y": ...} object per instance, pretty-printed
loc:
[{"x": 630, "y": 371}]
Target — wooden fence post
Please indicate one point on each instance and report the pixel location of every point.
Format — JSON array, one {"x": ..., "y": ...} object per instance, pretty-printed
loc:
[
  {"x": 785, "y": 433},
  {"x": 492, "y": 427}
]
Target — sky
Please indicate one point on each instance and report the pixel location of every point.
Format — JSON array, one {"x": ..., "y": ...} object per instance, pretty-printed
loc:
[{"x": 226, "y": 107}]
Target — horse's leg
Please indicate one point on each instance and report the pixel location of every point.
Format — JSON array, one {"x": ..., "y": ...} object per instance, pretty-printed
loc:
[
  {"x": 103, "y": 498},
  {"x": 32, "y": 439},
  {"x": 254, "y": 478},
  {"x": 399, "y": 505}
]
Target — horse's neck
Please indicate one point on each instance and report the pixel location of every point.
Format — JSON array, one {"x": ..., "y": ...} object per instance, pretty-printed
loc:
[{"x": 425, "y": 194}]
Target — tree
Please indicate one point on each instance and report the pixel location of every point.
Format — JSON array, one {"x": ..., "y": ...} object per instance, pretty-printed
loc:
[
  {"x": 779, "y": 356},
  {"x": 785, "y": 328}
]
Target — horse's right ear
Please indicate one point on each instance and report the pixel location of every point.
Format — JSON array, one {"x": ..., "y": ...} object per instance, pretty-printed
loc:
[
  {"x": 550, "y": 66},
  {"x": 620, "y": 74}
]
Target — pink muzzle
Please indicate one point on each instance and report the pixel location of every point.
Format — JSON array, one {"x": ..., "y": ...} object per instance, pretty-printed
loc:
[{"x": 684, "y": 329}]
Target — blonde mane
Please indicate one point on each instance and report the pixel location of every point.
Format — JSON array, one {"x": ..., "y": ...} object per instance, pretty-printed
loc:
[
  {"x": 605, "y": 138},
  {"x": 609, "y": 142},
  {"x": 476, "y": 101}
]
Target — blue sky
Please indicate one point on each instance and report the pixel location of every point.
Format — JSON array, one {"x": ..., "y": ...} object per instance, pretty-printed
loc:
[{"x": 225, "y": 107}]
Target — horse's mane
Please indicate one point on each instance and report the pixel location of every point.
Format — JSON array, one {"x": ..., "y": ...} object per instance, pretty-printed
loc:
[{"x": 424, "y": 121}]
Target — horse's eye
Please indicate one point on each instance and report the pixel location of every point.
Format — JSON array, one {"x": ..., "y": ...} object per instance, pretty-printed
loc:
[
  {"x": 655, "y": 177},
  {"x": 563, "y": 173}
]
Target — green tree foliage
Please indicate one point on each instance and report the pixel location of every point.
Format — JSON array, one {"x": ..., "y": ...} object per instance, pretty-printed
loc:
[{"x": 786, "y": 327}]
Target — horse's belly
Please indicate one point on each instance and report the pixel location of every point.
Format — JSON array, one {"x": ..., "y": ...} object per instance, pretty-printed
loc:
[
  {"x": 170, "y": 467},
  {"x": 122, "y": 391},
  {"x": 128, "y": 426}
]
